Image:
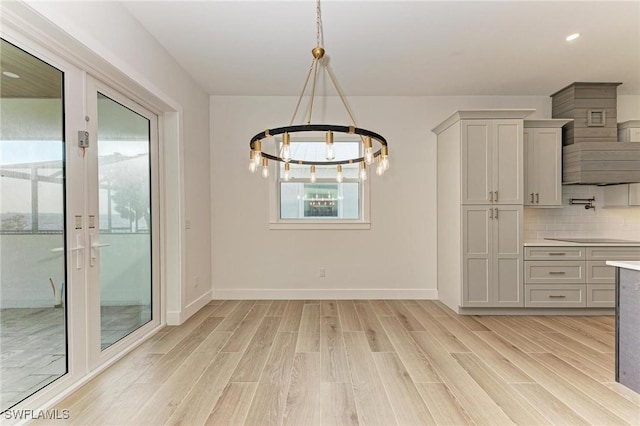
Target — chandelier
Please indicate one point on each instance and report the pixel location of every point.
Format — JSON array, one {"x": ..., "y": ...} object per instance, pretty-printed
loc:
[{"x": 259, "y": 158}]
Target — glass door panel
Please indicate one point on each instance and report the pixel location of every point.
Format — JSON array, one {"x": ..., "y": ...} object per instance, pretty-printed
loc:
[
  {"x": 124, "y": 199},
  {"x": 33, "y": 302}
]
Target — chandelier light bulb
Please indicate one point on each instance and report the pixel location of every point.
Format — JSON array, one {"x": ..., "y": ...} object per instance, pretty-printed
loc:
[
  {"x": 363, "y": 172},
  {"x": 330, "y": 151},
  {"x": 339, "y": 176},
  {"x": 257, "y": 152},
  {"x": 252, "y": 162},
  {"x": 384, "y": 153},
  {"x": 312, "y": 177},
  {"x": 385, "y": 163},
  {"x": 287, "y": 172},
  {"x": 368, "y": 150},
  {"x": 286, "y": 147},
  {"x": 265, "y": 168}
]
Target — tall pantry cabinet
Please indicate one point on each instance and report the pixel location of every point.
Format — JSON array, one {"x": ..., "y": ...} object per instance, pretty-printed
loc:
[{"x": 480, "y": 209}]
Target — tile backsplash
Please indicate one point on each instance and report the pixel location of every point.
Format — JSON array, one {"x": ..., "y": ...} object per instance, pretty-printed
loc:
[{"x": 577, "y": 222}]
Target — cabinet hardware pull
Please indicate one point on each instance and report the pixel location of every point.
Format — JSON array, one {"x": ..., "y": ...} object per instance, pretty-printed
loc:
[
  {"x": 557, "y": 254},
  {"x": 537, "y": 198},
  {"x": 491, "y": 196},
  {"x": 556, "y": 296},
  {"x": 532, "y": 198},
  {"x": 496, "y": 215},
  {"x": 496, "y": 196},
  {"x": 490, "y": 213},
  {"x": 557, "y": 272}
]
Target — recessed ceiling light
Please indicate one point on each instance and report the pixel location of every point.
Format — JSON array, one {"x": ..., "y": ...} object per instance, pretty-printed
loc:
[
  {"x": 573, "y": 36},
  {"x": 10, "y": 74}
]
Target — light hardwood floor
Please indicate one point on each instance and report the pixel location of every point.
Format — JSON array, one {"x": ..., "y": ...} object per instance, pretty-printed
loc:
[{"x": 362, "y": 362}]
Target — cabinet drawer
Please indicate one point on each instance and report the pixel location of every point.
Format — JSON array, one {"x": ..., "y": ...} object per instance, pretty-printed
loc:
[
  {"x": 601, "y": 296},
  {"x": 598, "y": 272},
  {"x": 613, "y": 253},
  {"x": 555, "y": 253},
  {"x": 551, "y": 296},
  {"x": 550, "y": 272}
]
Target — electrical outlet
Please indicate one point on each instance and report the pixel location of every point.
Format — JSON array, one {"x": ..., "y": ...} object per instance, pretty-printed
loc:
[{"x": 322, "y": 273}]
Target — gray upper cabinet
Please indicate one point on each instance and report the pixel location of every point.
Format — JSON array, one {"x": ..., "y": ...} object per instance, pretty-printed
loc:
[
  {"x": 492, "y": 161},
  {"x": 543, "y": 162}
]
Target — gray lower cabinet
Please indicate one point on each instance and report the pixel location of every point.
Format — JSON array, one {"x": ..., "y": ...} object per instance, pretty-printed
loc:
[
  {"x": 492, "y": 256},
  {"x": 565, "y": 277}
]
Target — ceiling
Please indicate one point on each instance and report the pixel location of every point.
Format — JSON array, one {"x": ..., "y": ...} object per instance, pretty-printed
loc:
[
  {"x": 35, "y": 78},
  {"x": 400, "y": 47}
]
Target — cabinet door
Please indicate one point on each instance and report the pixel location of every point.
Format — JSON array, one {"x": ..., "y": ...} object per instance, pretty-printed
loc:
[
  {"x": 476, "y": 165},
  {"x": 508, "y": 162},
  {"x": 529, "y": 167},
  {"x": 547, "y": 154},
  {"x": 477, "y": 233},
  {"x": 507, "y": 285}
]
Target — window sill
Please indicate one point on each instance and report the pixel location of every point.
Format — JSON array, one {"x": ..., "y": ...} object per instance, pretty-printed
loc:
[{"x": 321, "y": 225}]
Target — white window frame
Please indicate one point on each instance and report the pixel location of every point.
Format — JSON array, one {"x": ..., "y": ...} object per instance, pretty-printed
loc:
[{"x": 275, "y": 221}]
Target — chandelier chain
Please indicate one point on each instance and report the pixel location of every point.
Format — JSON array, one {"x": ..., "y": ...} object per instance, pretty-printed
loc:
[{"x": 319, "y": 31}]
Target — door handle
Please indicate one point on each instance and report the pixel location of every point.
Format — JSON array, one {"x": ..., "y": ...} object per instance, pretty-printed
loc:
[
  {"x": 94, "y": 249},
  {"x": 496, "y": 215},
  {"x": 532, "y": 198},
  {"x": 491, "y": 196},
  {"x": 537, "y": 198},
  {"x": 496, "y": 196},
  {"x": 77, "y": 249}
]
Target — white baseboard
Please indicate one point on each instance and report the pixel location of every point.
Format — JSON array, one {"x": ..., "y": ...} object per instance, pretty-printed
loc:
[
  {"x": 178, "y": 317},
  {"x": 286, "y": 294}
]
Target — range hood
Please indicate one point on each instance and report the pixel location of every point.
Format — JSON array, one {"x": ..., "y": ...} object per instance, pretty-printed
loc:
[{"x": 592, "y": 154}]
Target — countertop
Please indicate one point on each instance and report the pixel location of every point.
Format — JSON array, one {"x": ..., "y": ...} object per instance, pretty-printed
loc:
[
  {"x": 628, "y": 264},
  {"x": 555, "y": 243}
]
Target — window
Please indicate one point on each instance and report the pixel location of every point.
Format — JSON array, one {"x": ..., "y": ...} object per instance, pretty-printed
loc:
[{"x": 321, "y": 203}]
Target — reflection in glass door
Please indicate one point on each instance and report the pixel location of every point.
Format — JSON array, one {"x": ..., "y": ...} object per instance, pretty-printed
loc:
[
  {"x": 123, "y": 249},
  {"x": 33, "y": 302}
]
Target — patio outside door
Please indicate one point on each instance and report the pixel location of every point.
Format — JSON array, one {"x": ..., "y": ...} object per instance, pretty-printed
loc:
[
  {"x": 123, "y": 293},
  {"x": 79, "y": 266}
]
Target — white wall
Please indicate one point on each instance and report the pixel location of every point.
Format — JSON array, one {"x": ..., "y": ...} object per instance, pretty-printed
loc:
[
  {"x": 108, "y": 30},
  {"x": 395, "y": 258}
]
